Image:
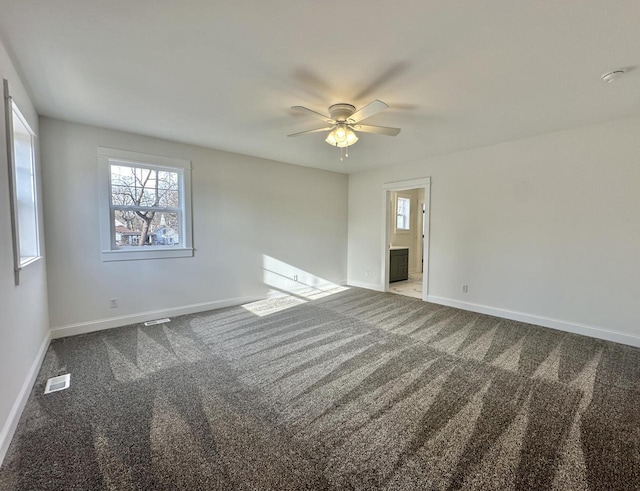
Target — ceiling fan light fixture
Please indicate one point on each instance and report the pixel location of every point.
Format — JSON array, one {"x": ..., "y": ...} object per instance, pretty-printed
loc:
[{"x": 341, "y": 136}]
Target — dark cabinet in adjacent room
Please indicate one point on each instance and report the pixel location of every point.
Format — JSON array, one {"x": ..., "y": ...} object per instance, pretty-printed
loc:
[{"x": 399, "y": 264}]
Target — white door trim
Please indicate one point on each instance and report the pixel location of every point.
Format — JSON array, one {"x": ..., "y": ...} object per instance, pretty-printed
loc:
[
  {"x": 387, "y": 189},
  {"x": 421, "y": 235}
]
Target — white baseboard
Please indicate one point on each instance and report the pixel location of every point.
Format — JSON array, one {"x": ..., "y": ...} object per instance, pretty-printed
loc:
[
  {"x": 573, "y": 327},
  {"x": 368, "y": 286},
  {"x": 9, "y": 428},
  {"x": 125, "y": 320}
]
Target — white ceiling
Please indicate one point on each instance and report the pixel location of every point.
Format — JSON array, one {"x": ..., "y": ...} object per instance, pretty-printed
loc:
[{"x": 457, "y": 74}]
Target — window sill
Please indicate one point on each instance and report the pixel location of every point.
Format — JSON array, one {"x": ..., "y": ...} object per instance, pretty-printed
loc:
[
  {"x": 134, "y": 255},
  {"x": 27, "y": 261}
]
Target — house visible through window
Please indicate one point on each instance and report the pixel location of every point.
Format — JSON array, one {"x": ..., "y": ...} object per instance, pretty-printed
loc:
[
  {"x": 148, "y": 213},
  {"x": 25, "y": 198},
  {"x": 146, "y": 205},
  {"x": 403, "y": 213}
]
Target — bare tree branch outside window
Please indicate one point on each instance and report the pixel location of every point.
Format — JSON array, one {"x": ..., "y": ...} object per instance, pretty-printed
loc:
[{"x": 146, "y": 205}]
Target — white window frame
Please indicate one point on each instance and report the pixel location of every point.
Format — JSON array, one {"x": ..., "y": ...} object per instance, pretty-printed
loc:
[
  {"x": 110, "y": 251},
  {"x": 397, "y": 229},
  {"x": 21, "y": 260}
]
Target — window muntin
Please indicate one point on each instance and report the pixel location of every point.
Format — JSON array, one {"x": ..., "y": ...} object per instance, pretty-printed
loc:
[{"x": 403, "y": 213}]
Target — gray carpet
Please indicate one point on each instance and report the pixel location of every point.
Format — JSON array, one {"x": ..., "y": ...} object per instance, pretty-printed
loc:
[{"x": 356, "y": 390}]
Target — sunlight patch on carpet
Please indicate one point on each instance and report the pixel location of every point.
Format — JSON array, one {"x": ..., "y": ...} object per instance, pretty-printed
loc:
[{"x": 269, "y": 306}]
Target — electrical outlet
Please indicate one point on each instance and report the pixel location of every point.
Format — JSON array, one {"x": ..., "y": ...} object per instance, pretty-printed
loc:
[
  {"x": 295, "y": 277},
  {"x": 113, "y": 303},
  {"x": 465, "y": 288}
]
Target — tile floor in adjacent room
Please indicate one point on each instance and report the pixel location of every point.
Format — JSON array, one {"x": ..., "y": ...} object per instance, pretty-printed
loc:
[{"x": 409, "y": 288}]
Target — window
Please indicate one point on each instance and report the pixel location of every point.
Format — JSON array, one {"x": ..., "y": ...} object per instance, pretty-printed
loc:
[
  {"x": 403, "y": 213},
  {"x": 145, "y": 206},
  {"x": 24, "y": 201}
]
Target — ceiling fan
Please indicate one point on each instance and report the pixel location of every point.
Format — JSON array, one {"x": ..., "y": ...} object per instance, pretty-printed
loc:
[{"x": 345, "y": 121}]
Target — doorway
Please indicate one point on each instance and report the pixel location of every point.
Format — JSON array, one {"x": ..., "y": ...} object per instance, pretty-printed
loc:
[{"x": 405, "y": 261}]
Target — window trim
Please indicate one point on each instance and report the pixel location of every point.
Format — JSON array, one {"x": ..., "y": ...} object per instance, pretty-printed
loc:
[
  {"x": 402, "y": 230},
  {"x": 109, "y": 252},
  {"x": 12, "y": 108}
]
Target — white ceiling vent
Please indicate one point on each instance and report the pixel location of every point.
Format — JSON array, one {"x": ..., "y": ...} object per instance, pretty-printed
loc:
[
  {"x": 157, "y": 321},
  {"x": 58, "y": 383}
]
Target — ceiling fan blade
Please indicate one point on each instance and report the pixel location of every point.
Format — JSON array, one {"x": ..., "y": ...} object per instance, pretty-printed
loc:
[
  {"x": 367, "y": 111},
  {"x": 317, "y": 130},
  {"x": 306, "y": 110},
  {"x": 380, "y": 130}
]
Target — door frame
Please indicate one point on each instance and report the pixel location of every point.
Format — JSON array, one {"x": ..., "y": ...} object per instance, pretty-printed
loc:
[
  {"x": 421, "y": 237},
  {"x": 387, "y": 190}
]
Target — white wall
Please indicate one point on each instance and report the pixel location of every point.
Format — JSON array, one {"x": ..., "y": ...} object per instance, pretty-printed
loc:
[
  {"x": 24, "y": 325},
  {"x": 546, "y": 228},
  {"x": 244, "y": 208}
]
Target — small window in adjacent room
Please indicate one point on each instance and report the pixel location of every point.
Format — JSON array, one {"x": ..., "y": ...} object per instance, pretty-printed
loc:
[
  {"x": 25, "y": 200},
  {"x": 403, "y": 213},
  {"x": 145, "y": 206}
]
